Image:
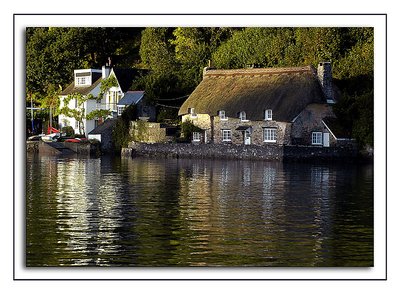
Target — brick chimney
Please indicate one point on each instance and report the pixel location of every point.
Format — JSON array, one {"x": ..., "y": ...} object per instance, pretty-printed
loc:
[{"x": 324, "y": 73}]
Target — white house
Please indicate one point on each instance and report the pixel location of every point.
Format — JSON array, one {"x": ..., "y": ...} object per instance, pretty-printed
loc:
[{"x": 88, "y": 82}]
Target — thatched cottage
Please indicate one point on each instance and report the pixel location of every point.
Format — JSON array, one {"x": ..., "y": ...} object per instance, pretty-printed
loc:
[{"x": 260, "y": 106}]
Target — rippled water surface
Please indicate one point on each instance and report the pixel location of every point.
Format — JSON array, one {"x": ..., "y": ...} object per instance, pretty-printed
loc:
[{"x": 174, "y": 212}]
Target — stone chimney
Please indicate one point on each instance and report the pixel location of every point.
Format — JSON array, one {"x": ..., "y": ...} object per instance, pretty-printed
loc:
[{"x": 324, "y": 73}]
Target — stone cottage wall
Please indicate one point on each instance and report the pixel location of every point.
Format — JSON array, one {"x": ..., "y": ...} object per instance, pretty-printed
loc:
[{"x": 310, "y": 120}]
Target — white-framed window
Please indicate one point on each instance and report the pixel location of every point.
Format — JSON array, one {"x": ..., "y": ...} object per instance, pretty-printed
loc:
[
  {"x": 192, "y": 112},
  {"x": 242, "y": 116},
  {"x": 82, "y": 81},
  {"x": 222, "y": 115},
  {"x": 270, "y": 135},
  {"x": 316, "y": 138},
  {"x": 226, "y": 135},
  {"x": 268, "y": 114},
  {"x": 196, "y": 136},
  {"x": 120, "y": 109}
]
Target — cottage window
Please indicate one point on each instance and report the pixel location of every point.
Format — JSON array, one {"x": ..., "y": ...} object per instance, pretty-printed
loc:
[
  {"x": 268, "y": 114},
  {"x": 192, "y": 112},
  {"x": 222, "y": 115},
  {"x": 270, "y": 135},
  {"x": 226, "y": 135},
  {"x": 316, "y": 138},
  {"x": 242, "y": 116},
  {"x": 196, "y": 137}
]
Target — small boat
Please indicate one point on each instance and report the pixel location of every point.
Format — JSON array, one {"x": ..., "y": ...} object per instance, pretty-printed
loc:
[
  {"x": 35, "y": 137},
  {"x": 51, "y": 137}
]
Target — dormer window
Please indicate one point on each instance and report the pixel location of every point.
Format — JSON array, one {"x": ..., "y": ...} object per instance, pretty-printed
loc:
[
  {"x": 221, "y": 114},
  {"x": 268, "y": 114},
  {"x": 242, "y": 116},
  {"x": 82, "y": 79},
  {"x": 192, "y": 112}
]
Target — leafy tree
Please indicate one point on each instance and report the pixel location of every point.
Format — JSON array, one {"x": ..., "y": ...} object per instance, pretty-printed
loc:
[
  {"x": 78, "y": 113},
  {"x": 52, "y": 53}
]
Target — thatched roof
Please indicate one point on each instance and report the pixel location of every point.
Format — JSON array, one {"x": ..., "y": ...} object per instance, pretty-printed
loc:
[{"x": 287, "y": 91}]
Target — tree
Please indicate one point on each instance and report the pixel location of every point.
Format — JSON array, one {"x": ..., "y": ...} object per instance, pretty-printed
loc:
[
  {"x": 78, "y": 113},
  {"x": 52, "y": 53}
]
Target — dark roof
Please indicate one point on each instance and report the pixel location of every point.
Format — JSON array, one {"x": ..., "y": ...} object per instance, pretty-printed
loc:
[
  {"x": 125, "y": 77},
  {"x": 287, "y": 91},
  {"x": 131, "y": 97},
  {"x": 106, "y": 125},
  {"x": 71, "y": 89}
]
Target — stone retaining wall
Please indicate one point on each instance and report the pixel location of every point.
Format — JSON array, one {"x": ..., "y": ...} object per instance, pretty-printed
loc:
[
  {"x": 229, "y": 151},
  {"x": 183, "y": 150},
  {"x": 314, "y": 153}
]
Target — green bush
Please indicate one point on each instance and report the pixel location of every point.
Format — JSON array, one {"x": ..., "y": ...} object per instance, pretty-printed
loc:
[
  {"x": 121, "y": 133},
  {"x": 68, "y": 131},
  {"x": 187, "y": 129}
]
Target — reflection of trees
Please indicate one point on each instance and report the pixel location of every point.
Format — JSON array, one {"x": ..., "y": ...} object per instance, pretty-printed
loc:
[{"x": 152, "y": 208}]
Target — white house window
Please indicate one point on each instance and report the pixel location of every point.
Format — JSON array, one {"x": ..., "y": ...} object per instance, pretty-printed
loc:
[
  {"x": 242, "y": 116},
  {"x": 222, "y": 115},
  {"x": 316, "y": 138},
  {"x": 120, "y": 110},
  {"x": 196, "y": 136},
  {"x": 268, "y": 114},
  {"x": 192, "y": 112},
  {"x": 270, "y": 135},
  {"x": 226, "y": 135}
]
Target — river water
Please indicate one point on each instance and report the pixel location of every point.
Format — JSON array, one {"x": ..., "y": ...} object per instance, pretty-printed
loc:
[{"x": 113, "y": 211}]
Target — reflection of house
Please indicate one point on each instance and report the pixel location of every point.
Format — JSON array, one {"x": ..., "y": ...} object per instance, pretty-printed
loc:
[
  {"x": 88, "y": 82},
  {"x": 263, "y": 106}
]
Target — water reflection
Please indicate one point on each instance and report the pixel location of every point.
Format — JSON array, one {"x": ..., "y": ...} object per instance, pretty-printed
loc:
[{"x": 156, "y": 212}]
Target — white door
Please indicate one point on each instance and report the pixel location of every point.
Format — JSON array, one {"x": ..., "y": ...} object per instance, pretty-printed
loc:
[
  {"x": 326, "y": 140},
  {"x": 247, "y": 138}
]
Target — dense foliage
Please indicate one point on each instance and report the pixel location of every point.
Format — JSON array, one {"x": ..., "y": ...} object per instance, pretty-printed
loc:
[
  {"x": 176, "y": 58},
  {"x": 121, "y": 134}
]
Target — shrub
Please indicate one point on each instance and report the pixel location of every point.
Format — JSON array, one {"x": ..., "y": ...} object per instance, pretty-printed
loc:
[
  {"x": 121, "y": 133},
  {"x": 68, "y": 131}
]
